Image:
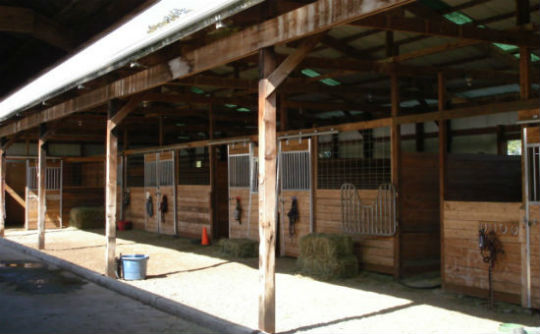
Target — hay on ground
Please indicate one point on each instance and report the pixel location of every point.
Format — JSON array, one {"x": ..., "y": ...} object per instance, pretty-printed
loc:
[
  {"x": 327, "y": 256},
  {"x": 87, "y": 217},
  {"x": 239, "y": 247}
]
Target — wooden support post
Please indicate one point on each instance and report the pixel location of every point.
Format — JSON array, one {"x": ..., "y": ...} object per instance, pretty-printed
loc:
[
  {"x": 267, "y": 193},
  {"x": 443, "y": 157},
  {"x": 524, "y": 75},
  {"x": 110, "y": 189},
  {"x": 2, "y": 191},
  {"x": 395, "y": 149},
  {"x": 42, "y": 191}
]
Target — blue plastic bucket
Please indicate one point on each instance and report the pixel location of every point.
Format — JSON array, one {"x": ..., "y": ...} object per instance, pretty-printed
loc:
[{"x": 134, "y": 266}]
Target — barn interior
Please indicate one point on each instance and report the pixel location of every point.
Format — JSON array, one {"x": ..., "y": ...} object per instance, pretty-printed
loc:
[{"x": 407, "y": 125}]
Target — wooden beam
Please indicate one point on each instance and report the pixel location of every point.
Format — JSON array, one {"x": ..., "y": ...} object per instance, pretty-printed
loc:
[
  {"x": 42, "y": 191},
  {"x": 443, "y": 156},
  {"x": 395, "y": 152},
  {"x": 267, "y": 194},
  {"x": 449, "y": 29},
  {"x": 308, "y": 20},
  {"x": 488, "y": 109},
  {"x": 132, "y": 104},
  {"x": 15, "y": 196},
  {"x": 523, "y": 15},
  {"x": 26, "y": 21},
  {"x": 289, "y": 64},
  {"x": 110, "y": 190}
]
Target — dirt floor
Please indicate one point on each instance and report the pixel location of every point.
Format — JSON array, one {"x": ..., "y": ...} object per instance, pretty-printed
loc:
[{"x": 204, "y": 279}]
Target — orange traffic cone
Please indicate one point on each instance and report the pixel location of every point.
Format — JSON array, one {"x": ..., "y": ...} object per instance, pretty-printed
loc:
[{"x": 204, "y": 237}]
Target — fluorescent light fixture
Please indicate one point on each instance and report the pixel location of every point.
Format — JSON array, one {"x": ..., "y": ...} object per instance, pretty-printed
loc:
[{"x": 163, "y": 23}]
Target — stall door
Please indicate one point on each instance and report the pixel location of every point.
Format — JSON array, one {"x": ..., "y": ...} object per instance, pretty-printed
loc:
[
  {"x": 53, "y": 197},
  {"x": 294, "y": 166},
  {"x": 531, "y": 269},
  {"x": 160, "y": 192},
  {"x": 243, "y": 199}
]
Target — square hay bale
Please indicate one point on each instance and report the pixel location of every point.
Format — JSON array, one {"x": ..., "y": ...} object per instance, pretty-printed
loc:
[
  {"x": 327, "y": 256},
  {"x": 326, "y": 246},
  {"x": 87, "y": 217},
  {"x": 239, "y": 247}
]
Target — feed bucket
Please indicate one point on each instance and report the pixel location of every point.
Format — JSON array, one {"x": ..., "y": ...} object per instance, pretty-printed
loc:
[{"x": 134, "y": 266}]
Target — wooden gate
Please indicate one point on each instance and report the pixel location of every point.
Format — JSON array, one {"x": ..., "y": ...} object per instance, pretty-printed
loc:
[
  {"x": 53, "y": 198},
  {"x": 160, "y": 192}
]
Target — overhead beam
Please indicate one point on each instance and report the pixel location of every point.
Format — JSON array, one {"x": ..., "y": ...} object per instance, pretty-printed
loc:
[
  {"x": 302, "y": 22},
  {"x": 26, "y": 21},
  {"x": 449, "y": 29}
]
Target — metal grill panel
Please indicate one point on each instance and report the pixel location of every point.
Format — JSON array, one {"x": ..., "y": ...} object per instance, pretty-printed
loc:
[
  {"x": 166, "y": 170},
  {"x": 377, "y": 218},
  {"x": 150, "y": 173},
  {"x": 239, "y": 170},
  {"x": 53, "y": 178},
  {"x": 295, "y": 170}
]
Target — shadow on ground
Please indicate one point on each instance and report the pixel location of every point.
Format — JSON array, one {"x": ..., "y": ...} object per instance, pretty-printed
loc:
[{"x": 366, "y": 281}]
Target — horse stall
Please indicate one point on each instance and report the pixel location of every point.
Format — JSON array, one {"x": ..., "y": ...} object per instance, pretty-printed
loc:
[
  {"x": 169, "y": 192},
  {"x": 53, "y": 195},
  {"x": 484, "y": 240}
]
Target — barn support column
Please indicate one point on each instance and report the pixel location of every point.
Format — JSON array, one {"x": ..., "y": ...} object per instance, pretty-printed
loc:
[
  {"x": 395, "y": 152},
  {"x": 110, "y": 188},
  {"x": 2, "y": 190},
  {"x": 115, "y": 115},
  {"x": 42, "y": 192},
  {"x": 443, "y": 157},
  {"x": 271, "y": 78}
]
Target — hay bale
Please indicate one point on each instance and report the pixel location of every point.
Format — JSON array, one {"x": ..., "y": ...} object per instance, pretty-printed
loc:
[
  {"x": 327, "y": 256},
  {"x": 239, "y": 247},
  {"x": 87, "y": 217},
  {"x": 326, "y": 246}
]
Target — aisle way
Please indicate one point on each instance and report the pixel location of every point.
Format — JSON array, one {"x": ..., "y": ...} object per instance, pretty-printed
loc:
[{"x": 35, "y": 298}]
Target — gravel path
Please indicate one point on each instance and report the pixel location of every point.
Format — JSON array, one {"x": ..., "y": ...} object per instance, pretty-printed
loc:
[{"x": 202, "y": 278}]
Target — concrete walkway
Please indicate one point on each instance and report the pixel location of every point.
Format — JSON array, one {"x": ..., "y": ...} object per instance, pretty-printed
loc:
[{"x": 36, "y": 298}]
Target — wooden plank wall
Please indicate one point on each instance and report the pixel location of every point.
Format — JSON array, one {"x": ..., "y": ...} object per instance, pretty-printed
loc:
[
  {"x": 194, "y": 210},
  {"x": 374, "y": 253},
  {"x": 16, "y": 179},
  {"x": 464, "y": 271},
  {"x": 419, "y": 216},
  {"x": 81, "y": 196},
  {"x": 290, "y": 244},
  {"x": 240, "y": 229},
  {"x": 136, "y": 210},
  {"x": 534, "y": 213},
  {"x": 52, "y": 215}
]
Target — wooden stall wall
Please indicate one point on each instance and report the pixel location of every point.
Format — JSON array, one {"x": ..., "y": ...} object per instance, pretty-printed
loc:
[
  {"x": 135, "y": 212},
  {"x": 465, "y": 271},
  {"x": 419, "y": 217},
  {"x": 534, "y": 216},
  {"x": 374, "y": 253},
  {"x": 239, "y": 229},
  {"x": 83, "y": 186},
  {"x": 53, "y": 216},
  {"x": 482, "y": 190},
  {"x": 194, "y": 210}
]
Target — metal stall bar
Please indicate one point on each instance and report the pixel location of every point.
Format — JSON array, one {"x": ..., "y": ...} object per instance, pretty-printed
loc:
[{"x": 526, "y": 222}]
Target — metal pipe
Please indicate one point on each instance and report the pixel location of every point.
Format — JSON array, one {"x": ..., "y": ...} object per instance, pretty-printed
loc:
[
  {"x": 301, "y": 135},
  {"x": 173, "y": 172},
  {"x": 61, "y": 185},
  {"x": 251, "y": 171},
  {"x": 310, "y": 178},
  {"x": 529, "y": 121}
]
